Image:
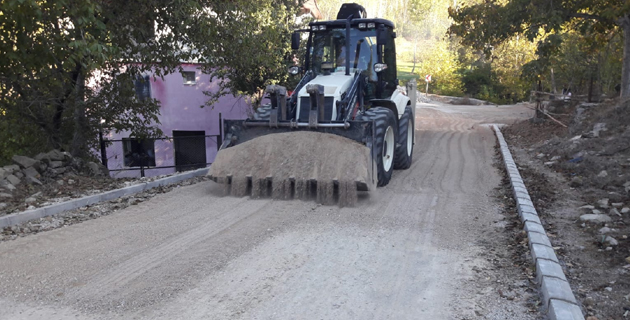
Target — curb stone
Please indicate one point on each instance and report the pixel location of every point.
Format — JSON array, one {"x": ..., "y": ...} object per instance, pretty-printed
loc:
[
  {"x": 559, "y": 303},
  {"x": 24, "y": 216}
]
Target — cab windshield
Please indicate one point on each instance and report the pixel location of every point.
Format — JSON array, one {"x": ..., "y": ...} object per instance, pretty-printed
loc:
[{"x": 329, "y": 51}]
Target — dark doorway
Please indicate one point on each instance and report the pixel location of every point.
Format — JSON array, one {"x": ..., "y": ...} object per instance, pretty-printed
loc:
[{"x": 190, "y": 150}]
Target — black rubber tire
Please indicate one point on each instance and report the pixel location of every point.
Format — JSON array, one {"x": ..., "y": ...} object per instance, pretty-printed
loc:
[
  {"x": 403, "y": 156},
  {"x": 263, "y": 112},
  {"x": 383, "y": 118}
]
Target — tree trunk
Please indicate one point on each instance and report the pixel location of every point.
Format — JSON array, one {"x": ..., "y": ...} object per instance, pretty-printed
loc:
[
  {"x": 625, "y": 70},
  {"x": 79, "y": 141},
  {"x": 415, "y": 44},
  {"x": 553, "y": 83}
]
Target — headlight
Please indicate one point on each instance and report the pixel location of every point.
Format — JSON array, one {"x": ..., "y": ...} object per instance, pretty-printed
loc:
[
  {"x": 380, "y": 67},
  {"x": 371, "y": 25},
  {"x": 314, "y": 28},
  {"x": 322, "y": 27},
  {"x": 361, "y": 25},
  {"x": 294, "y": 70}
]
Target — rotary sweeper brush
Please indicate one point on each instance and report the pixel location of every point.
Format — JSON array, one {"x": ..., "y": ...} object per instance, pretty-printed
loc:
[{"x": 344, "y": 129}]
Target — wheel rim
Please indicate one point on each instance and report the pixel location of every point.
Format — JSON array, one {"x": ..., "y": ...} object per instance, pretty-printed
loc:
[
  {"x": 388, "y": 149},
  {"x": 409, "y": 137}
]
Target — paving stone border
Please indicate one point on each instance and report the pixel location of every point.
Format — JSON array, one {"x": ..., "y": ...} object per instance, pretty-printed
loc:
[
  {"x": 559, "y": 303},
  {"x": 24, "y": 216}
]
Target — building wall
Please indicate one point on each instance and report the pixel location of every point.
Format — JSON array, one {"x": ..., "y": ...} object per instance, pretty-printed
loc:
[{"x": 180, "y": 110}]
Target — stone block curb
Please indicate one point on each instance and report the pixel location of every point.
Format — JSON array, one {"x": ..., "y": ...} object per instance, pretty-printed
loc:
[
  {"x": 562, "y": 310},
  {"x": 24, "y": 216},
  {"x": 558, "y": 299}
]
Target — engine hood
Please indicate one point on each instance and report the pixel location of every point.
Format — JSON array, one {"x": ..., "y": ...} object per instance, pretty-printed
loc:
[{"x": 334, "y": 84}]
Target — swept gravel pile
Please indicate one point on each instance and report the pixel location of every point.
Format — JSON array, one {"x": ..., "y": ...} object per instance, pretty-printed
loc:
[{"x": 283, "y": 165}]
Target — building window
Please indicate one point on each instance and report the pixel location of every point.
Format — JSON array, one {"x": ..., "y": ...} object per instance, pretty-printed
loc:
[
  {"x": 139, "y": 152},
  {"x": 189, "y": 77},
  {"x": 143, "y": 87}
]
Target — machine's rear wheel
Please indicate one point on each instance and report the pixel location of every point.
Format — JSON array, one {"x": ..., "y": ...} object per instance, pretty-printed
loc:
[
  {"x": 404, "y": 150},
  {"x": 386, "y": 133}
]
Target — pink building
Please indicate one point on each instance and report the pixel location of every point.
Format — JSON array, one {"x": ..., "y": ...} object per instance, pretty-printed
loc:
[{"x": 195, "y": 130}]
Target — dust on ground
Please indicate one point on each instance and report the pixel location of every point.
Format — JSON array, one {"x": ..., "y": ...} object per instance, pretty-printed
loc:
[
  {"x": 283, "y": 166},
  {"x": 579, "y": 170}
]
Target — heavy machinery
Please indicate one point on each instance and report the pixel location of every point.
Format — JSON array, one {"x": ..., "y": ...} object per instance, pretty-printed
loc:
[{"x": 349, "y": 88}]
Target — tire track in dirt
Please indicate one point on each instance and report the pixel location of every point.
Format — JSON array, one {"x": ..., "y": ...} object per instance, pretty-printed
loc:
[
  {"x": 121, "y": 275},
  {"x": 404, "y": 252}
]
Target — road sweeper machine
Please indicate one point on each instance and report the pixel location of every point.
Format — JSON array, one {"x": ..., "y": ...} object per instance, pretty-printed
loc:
[{"x": 345, "y": 127}]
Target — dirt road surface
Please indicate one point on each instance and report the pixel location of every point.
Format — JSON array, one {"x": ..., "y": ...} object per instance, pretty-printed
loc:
[{"x": 416, "y": 249}]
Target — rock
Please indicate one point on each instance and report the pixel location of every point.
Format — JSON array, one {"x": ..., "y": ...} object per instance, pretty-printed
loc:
[
  {"x": 614, "y": 211},
  {"x": 603, "y": 174},
  {"x": 56, "y": 155},
  {"x": 12, "y": 168},
  {"x": 42, "y": 167},
  {"x": 610, "y": 240},
  {"x": 595, "y": 211},
  {"x": 56, "y": 164},
  {"x": 576, "y": 182},
  {"x": 13, "y": 180},
  {"x": 627, "y": 186},
  {"x": 42, "y": 157},
  {"x": 592, "y": 318},
  {"x": 3, "y": 173},
  {"x": 24, "y": 162},
  {"x": 70, "y": 182},
  {"x": 603, "y": 203},
  {"x": 31, "y": 172},
  {"x": 555, "y": 158},
  {"x": 604, "y": 230},
  {"x": 33, "y": 180},
  {"x": 5, "y": 195},
  {"x": 94, "y": 168},
  {"x": 19, "y": 174},
  {"x": 599, "y": 127},
  {"x": 30, "y": 200},
  {"x": 576, "y": 138},
  {"x": 3, "y": 205},
  {"x": 589, "y": 301},
  {"x": 9, "y": 187},
  {"x": 617, "y": 204},
  {"x": 587, "y": 207},
  {"x": 58, "y": 171},
  {"x": 609, "y": 289},
  {"x": 60, "y": 182},
  {"x": 625, "y": 210},
  {"x": 550, "y": 163},
  {"x": 628, "y": 259},
  {"x": 595, "y": 218},
  {"x": 540, "y": 155}
]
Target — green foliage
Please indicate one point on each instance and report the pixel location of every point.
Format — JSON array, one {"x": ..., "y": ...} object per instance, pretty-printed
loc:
[
  {"x": 56, "y": 53},
  {"x": 436, "y": 58},
  {"x": 485, "y": 25},
  {"x": 247, "y": 46}
]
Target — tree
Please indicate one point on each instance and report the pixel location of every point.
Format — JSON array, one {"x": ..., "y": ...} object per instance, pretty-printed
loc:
[
  {"x": 68, "y": 66},
  {"x": 485, "y": 25},
  {"x": 247, "y": 46}
]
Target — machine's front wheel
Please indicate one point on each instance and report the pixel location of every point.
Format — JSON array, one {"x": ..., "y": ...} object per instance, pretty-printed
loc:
[
  {"x": 404, "y": 150},
  {"x": 386, "y": 134}
]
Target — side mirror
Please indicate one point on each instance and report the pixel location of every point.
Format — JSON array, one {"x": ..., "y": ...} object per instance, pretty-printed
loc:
[{"x": 295, "y": 40}]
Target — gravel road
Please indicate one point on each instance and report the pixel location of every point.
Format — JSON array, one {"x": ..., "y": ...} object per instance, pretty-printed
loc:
[{"x": 408, "y": 251}]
